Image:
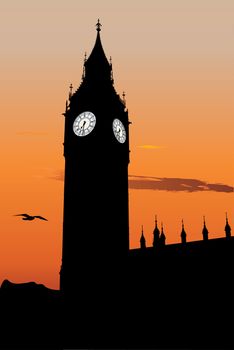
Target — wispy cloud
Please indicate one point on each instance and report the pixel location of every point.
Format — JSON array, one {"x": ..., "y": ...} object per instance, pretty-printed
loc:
[
  {"x": 150, "y": 147},
  {"x": 152, "y": 183},
  {"x": 175, "y": 184},
  {"x": 31, "y": 133}
]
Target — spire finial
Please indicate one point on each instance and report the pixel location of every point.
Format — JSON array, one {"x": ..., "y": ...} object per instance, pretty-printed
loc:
[
  {"x": 226, "y": 218},
  {"x": 98, "y": 25},
  {"x": 156, "y": 221},
  {"x": 112, "y": 78},
  {"x": 124, "y": 99},
  {"x": 85, "y": 59},
  {"x": 204, "y": 220},
  {"x": 70, "y": 92},
  {"x": 182, "y": 223}
]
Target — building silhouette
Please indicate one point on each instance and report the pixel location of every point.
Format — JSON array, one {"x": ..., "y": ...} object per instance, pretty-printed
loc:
[
  {"x": 96, "y": 151},
  {"x": 98, "y": 267},
  {"x": 156, "y": 296}
]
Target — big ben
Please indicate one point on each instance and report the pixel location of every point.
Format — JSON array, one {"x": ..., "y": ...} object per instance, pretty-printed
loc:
[{"x": 96, "y": 151}]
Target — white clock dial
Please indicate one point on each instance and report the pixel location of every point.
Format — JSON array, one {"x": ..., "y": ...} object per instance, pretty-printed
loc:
[
  {"x": 119, "y": 130},
  {"x": 84, "y": 123}
]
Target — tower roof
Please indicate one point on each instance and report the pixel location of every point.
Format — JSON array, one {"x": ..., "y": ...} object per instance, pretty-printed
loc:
[
  {"x": 97, "y": 66},
  {"x": 162, "y": 232}
]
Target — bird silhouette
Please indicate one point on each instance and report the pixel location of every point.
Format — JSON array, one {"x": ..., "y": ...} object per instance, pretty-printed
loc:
[{"x": 31, "y": 217}]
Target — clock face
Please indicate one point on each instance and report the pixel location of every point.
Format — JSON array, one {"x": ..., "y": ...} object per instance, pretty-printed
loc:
[
  {"x": 119, "y": 130},
  {"x": 84, "y": 123}
]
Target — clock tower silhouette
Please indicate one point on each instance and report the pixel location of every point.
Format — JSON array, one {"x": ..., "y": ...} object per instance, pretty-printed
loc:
[{"x": 96, "y": 151}]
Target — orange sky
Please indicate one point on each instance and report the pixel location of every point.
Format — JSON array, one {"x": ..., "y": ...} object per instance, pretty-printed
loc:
[{"x": 174, "y": 60}]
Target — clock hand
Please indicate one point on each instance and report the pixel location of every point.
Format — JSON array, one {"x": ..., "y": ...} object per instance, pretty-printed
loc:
[{"x": 83, "y": 126}]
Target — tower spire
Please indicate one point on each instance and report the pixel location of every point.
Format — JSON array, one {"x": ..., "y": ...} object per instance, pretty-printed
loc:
[
  {"x": 97, "y": 67},
  {"x": 162, "y": 237},
  {"x": 156, "y": 233},
  {"x": 226, "y": 218},
  {"x": 227, "y": 228},
  {"x": 183, "y": 234},
  {"x": 205, "y": 231},
  {"x": 142, "y": 240}
]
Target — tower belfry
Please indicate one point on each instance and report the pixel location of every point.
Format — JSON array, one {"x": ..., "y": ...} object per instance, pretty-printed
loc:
[{"x": 96, "y": 151}]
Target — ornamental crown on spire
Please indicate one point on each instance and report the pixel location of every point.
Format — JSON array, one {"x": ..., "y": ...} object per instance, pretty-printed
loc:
[{"x": 98, "y": 25}]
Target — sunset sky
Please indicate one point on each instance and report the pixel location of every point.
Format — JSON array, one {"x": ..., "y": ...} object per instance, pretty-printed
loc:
[{"x": 174, "y": 59}]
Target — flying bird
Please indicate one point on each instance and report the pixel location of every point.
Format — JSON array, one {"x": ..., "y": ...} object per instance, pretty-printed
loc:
[{"x": 31, "y": 217}]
